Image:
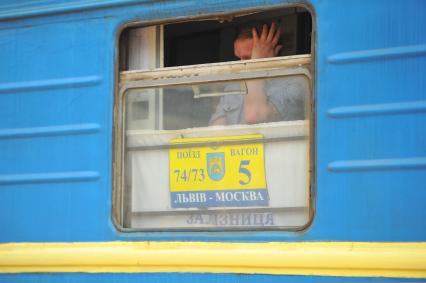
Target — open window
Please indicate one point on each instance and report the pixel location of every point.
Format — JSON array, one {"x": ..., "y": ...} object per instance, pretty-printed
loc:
[{"x": 186, "y": 155}]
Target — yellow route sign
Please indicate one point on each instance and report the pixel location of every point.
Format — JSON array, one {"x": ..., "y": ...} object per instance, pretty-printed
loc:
[{"x": 218, "y": 175}]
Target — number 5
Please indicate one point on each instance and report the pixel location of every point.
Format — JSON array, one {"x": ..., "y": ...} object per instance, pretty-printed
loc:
[{"x": 244, "y": 171}]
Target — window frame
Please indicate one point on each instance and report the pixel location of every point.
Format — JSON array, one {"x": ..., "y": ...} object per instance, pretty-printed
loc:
[{"x": 118, "y": 129}]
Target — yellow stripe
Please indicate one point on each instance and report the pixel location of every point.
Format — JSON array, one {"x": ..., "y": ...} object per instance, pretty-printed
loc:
[{"x": 307, "y": 258}]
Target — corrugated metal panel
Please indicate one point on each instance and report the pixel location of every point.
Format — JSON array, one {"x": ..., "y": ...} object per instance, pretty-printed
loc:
[{"x": 369, "y": 91}]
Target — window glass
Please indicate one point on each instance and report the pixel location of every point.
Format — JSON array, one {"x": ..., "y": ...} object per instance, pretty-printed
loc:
[{"x": 202, "y": 105}]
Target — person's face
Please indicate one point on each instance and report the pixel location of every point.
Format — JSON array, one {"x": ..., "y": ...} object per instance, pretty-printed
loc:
[{"x": 243, "y": 48}]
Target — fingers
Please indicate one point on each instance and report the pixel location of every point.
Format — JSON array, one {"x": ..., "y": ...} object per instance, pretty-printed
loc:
[
  {"x": 266, "y": 44},
  {"x": 264, "y": 34},
  {"x": 276, "y": 37},
  {"x": 271, "y": 32},
  {"x": 254, "y": 35},
  {"x": 277, "y": 49},
  {"x": 272, "y": 36}
]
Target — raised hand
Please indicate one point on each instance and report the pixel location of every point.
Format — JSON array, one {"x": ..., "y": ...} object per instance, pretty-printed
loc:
[{"x": 267, "y": 44}]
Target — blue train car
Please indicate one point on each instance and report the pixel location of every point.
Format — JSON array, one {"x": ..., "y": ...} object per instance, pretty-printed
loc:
[{"x": 128, "y": 152}]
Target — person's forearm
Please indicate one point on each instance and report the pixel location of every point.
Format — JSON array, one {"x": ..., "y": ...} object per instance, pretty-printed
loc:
[{"x": 256, "y": 104}]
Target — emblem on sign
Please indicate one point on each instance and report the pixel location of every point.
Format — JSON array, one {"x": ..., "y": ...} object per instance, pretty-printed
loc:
[{"x": 216, "y": 165}]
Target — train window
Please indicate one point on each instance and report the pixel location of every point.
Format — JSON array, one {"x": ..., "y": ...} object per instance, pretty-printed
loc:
[{"x": 218, "y": 145}]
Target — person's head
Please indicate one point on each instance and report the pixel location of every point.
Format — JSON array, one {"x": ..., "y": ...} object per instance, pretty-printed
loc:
[{"x": 243, "y": 41}]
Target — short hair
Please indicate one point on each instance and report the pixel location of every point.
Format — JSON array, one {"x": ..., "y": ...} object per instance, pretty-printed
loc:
[{"x": 244, "y": 30}]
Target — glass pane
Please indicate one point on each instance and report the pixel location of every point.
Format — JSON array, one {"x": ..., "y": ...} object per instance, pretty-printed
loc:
[
  {"x": 193, "y": 162},
  {"x": 228, "y": 103}
]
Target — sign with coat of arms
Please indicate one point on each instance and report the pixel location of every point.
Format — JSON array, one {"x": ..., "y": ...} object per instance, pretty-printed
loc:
[{"x": 226, "y": 172}]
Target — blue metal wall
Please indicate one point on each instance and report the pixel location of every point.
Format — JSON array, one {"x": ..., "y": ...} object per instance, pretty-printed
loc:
[{"x": 57, "y": 80}]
